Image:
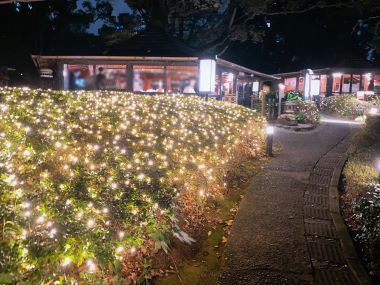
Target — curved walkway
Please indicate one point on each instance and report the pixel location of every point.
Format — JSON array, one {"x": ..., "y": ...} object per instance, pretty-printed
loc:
[{"x": 284, "y": 232}]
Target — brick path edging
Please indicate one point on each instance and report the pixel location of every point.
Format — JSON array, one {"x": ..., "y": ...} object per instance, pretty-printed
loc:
[{"x": 347, "y": 245}]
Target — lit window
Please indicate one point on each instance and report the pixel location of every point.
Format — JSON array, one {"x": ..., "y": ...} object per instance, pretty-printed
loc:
[
  {"x": 301, "y": 84},
  {"x": 366, "y": 81},
  {"x": 111, "y": 77},
  {"x": 376, "y": 84},
  {"x": 182, "y": 79},
  {"x": 78, "y": 77},
  {"x": 355, "y": 83},
  {"x": 346, "y": 83},
  {"x": 290, "y": 84},
  {"x": 337, "y": 77},
  {"x": 148, "y": 79},
  {"x": 228, "y": 87},
  {"x": 323, "y": 85}
]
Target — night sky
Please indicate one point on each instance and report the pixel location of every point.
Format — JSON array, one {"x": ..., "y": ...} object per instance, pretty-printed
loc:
[{"x": 119, "y": 7}]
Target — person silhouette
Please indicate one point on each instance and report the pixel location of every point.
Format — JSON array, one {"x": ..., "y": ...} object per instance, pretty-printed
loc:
[{"x": 100, "y": 78}]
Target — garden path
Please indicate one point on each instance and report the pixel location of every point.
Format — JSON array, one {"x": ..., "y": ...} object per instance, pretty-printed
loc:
[{"x": 283, "y": 232}]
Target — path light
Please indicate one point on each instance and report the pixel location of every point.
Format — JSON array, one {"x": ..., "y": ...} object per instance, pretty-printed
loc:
[
  {"x": 269, "y": 131},
  {"x": 378, "y": 167}
]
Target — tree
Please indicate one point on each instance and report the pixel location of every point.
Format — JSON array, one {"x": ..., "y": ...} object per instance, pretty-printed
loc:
[{"x": 225, "y": 22}]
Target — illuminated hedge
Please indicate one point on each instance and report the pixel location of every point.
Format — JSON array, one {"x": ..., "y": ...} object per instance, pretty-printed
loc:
[
  {"x": 347, "y": 105},
  {"x": 93, "y": 183}
]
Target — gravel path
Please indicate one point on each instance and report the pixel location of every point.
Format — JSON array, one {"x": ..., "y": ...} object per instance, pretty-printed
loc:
[{"x": 283, "y": 233}]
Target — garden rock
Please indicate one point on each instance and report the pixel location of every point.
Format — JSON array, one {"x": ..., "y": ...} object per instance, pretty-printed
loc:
[{"x": 287, "y": 120}]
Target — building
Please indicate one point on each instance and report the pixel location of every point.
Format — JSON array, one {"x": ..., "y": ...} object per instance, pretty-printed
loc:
[
  {"x": 151, "y": 62},
  {"x": 331, "y": 81}
]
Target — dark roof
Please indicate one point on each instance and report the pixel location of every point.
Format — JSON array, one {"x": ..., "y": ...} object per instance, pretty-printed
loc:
[
  {"x": 151, "y": 42},
  {"x": 369, "y": 68}
]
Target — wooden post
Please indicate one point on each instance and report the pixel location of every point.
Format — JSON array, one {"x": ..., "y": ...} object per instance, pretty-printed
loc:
[{"x": 263, "y": 99}]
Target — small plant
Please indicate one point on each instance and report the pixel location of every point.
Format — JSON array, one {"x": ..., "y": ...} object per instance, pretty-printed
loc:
[
  {"x": 293, "y": 96},
  {"x": 307, "y": 112}
]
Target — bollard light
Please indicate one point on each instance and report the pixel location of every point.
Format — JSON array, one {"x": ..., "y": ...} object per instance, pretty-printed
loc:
[{"x": 269, "y": 131}]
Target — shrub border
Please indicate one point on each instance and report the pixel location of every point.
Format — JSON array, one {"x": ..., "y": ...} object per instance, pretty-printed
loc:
[{"x": 345, "y": 239}]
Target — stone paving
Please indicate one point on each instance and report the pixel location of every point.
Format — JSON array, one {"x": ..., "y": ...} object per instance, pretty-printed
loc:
[{"x": 284, "y": 232}]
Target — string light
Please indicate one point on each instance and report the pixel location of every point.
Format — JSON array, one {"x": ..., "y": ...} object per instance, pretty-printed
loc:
[{"x": 81, "y": 166}]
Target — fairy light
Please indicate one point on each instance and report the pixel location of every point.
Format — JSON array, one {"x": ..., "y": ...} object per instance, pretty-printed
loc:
[
  {"x": 102, "y": 153},
  {"x": 119, "y": 249},
  {"x": 91, "y": 265},
  {"x": 90, "y": 223}
]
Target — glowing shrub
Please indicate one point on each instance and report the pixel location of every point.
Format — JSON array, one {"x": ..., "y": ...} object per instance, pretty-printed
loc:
[
  {"x": 347, "y": 105},
  {"x": 93, "y": 183}
]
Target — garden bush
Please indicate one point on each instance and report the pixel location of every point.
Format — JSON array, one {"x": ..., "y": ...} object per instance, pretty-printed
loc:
[
  {"x": 361, "y": 198},
  {"x": 347, "y": 105},
  {"x": 93, "y": 184},
  {"x": 307, "y": 113}
]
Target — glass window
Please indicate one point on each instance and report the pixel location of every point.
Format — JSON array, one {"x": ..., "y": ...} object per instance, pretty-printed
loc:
[
  {"x": 301, "y": 84},
  {"x": 323, "y": 85},
  {"x": 346, "y": 83},
  {"x": 244, "y": 90},
  {"x": 376, "y": 84},
  {"x": 148, "y": 79},
  {"x": 290, "y": 84},
  {"x": 337, "y": 77},
  {"x": 366, "y": 81},
  {"x": 182, "y": 79},
  {"x": 111, "y": 77},
  {"x": 228, "y": 87},
  {"x": 78, "y": 77},
  {"x": 355, "y": 83}
]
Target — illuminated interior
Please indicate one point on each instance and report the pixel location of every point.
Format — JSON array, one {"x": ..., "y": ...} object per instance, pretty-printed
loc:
[
  {"x": 111, "y": 77},
  {"x": 291, "y": 84},
  {"x": 148, "y": 79},
  {"x": 78, "y": 77},
  {"x": 182, "y": 79}
]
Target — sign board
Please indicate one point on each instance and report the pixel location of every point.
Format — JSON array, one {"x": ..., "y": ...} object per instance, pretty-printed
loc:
[{"x": 315, "y": 87}]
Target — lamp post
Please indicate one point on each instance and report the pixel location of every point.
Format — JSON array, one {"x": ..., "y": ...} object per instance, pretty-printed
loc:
[{"x": 269, "y": 131}]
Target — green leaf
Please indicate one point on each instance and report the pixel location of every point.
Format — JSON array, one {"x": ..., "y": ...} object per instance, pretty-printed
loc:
[{"x": 6, "y": 278}]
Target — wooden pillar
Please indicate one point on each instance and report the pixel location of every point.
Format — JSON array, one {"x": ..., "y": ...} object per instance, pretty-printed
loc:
[
  {"x": 165, "y": 81},
  {"x": 341, "y": 83},
  {"x": 329, "y": 84},
  {"x": 94, "y": 76},
  {"x": 263, "y": 99},
  {"x": 351, "y": 83},
  {"x": 129, "y": 78},
  {"x": 235, "y": 80}
]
